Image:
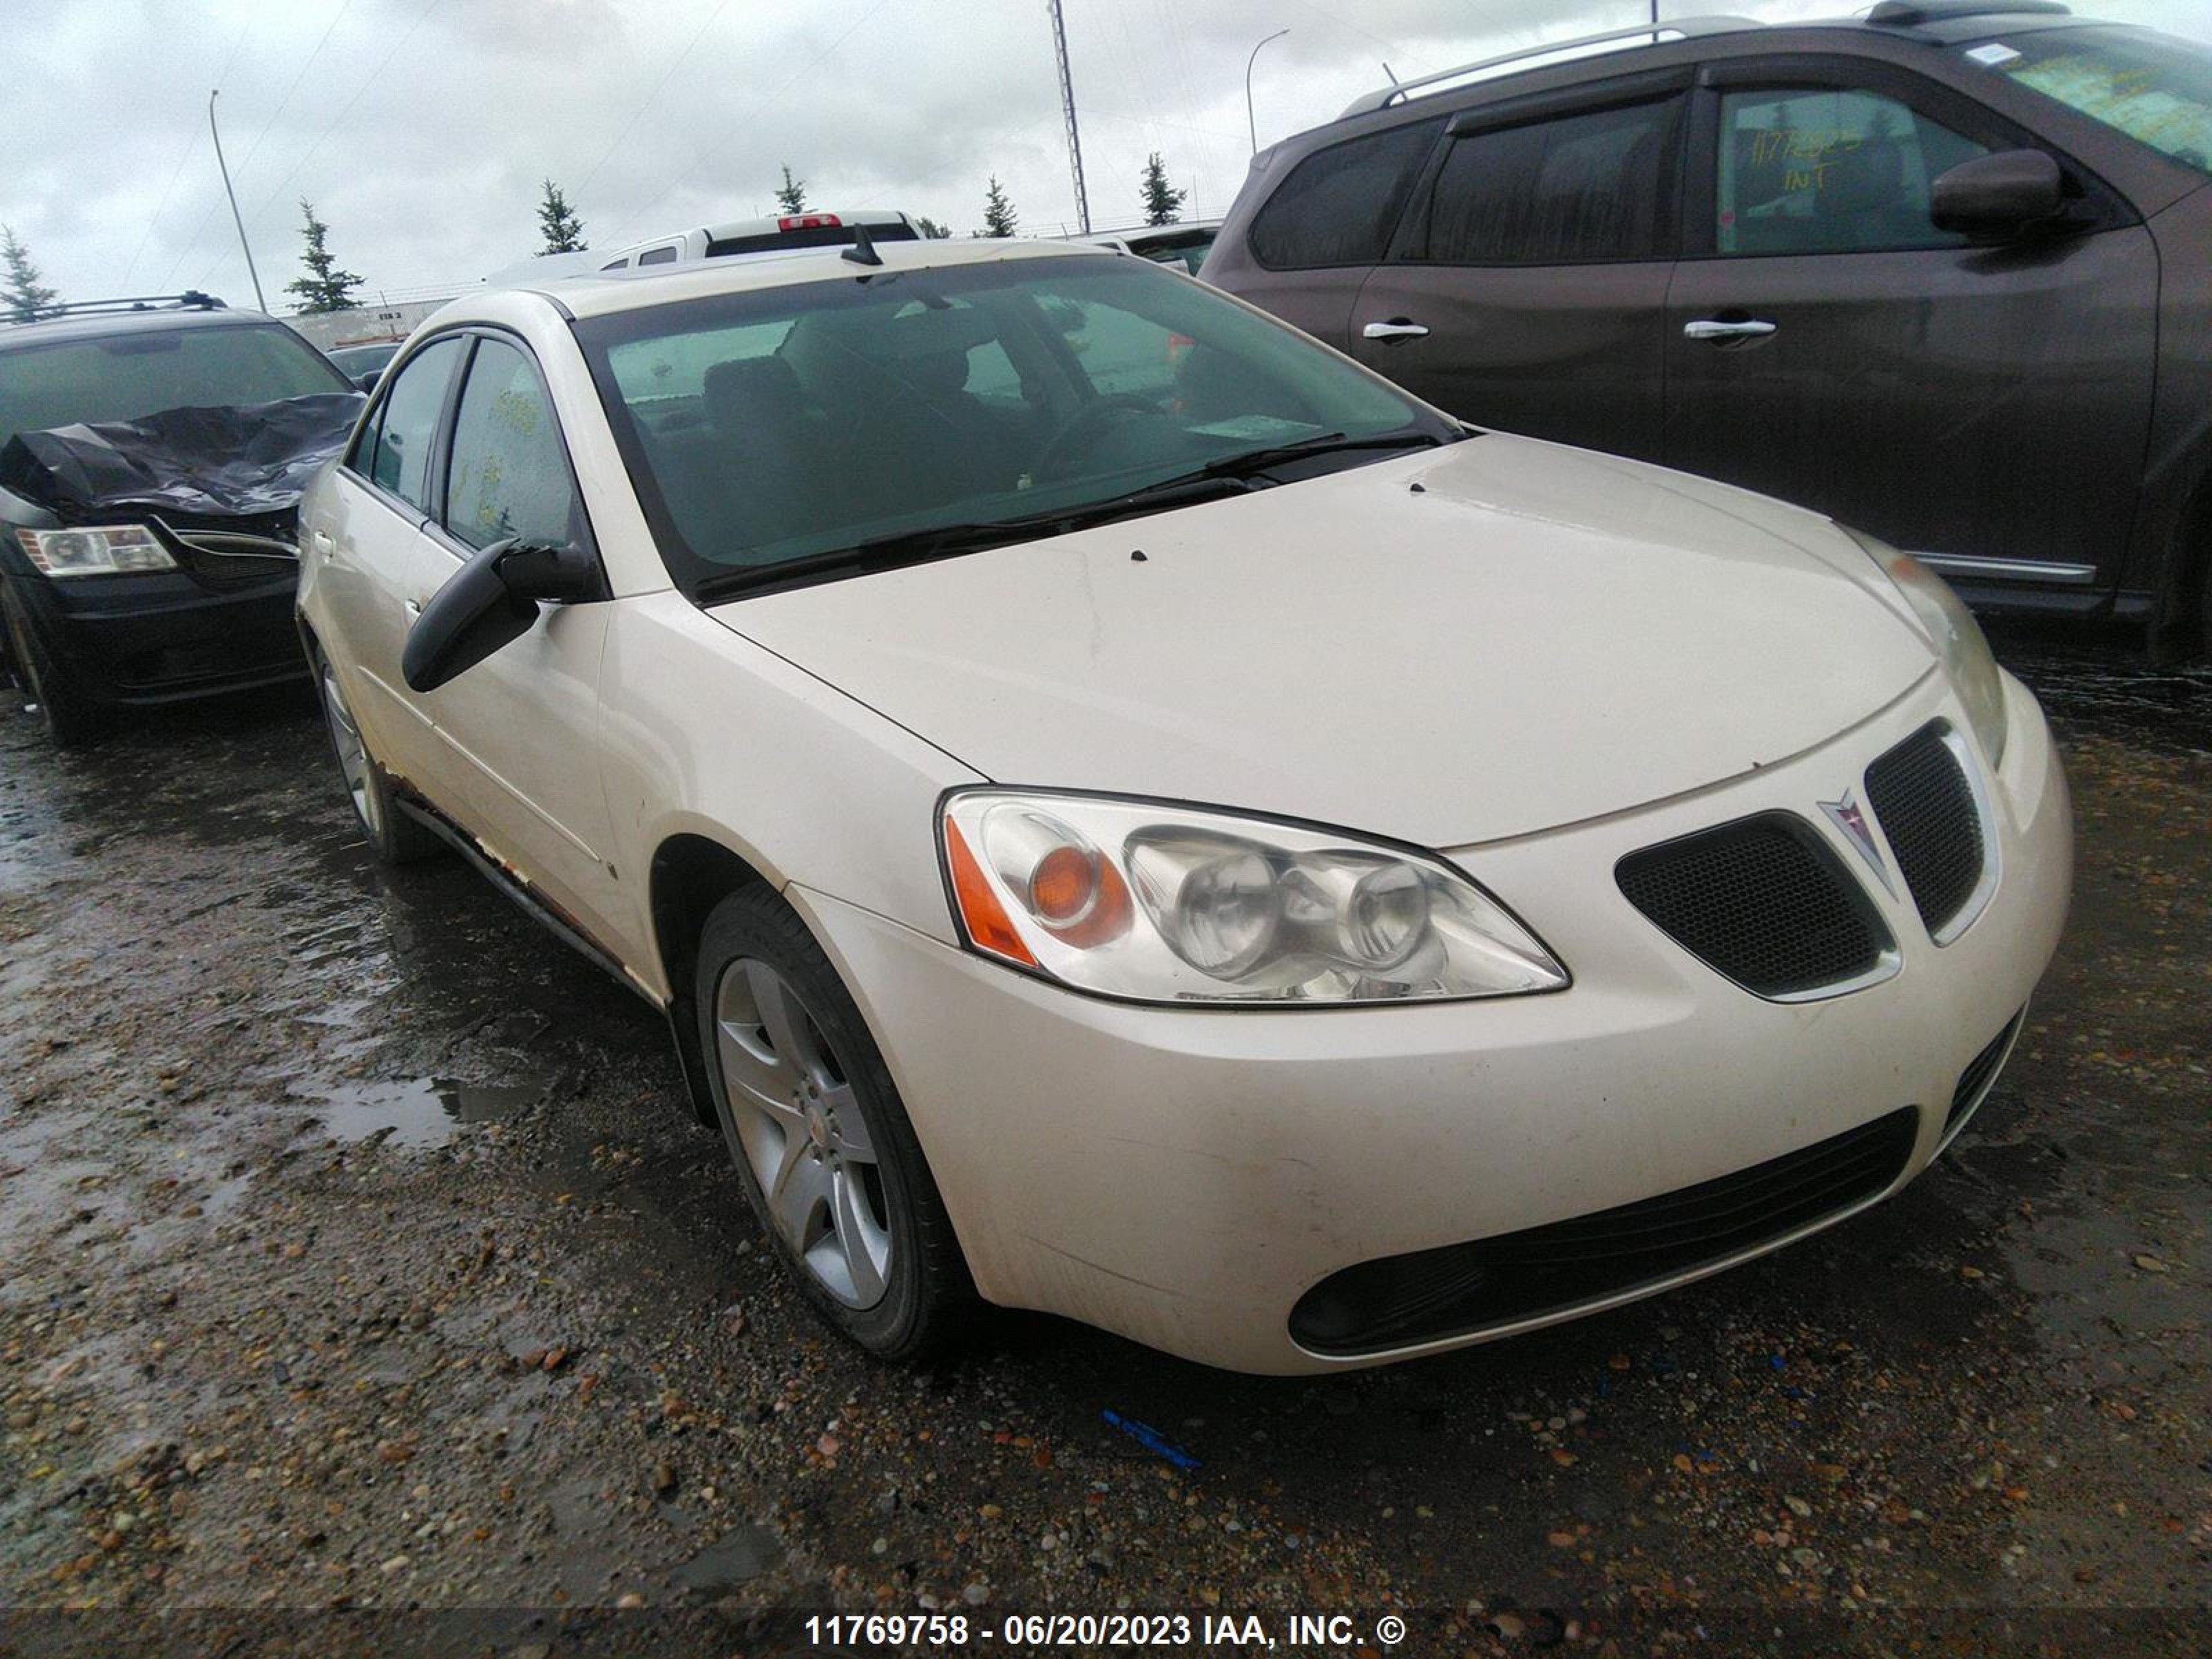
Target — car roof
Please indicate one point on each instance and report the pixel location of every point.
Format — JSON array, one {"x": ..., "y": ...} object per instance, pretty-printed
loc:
[
  {"x": 92, "y": 326},
  {"x": 601, "y": 293},
  {"x": 1927, "y": 23}
]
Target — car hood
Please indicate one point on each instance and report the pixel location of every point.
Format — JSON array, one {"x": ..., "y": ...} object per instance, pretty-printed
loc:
[{"x": 1458, "y": 645}]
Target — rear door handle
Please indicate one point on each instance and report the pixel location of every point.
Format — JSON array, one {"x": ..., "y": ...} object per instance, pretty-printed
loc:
[
  {"x": 1711, "y": 328},
  {"x": 1397, "y": 328}
]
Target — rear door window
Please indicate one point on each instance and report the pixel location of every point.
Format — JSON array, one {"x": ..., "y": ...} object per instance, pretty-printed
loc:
[
  {"x": 407, "y": 429},
  {"x": 1580, "y": 187},
  {"x": 509, "y": 475},
  {"x": 1340, "y": 205},
  {"x": 1820, "y": 170}
]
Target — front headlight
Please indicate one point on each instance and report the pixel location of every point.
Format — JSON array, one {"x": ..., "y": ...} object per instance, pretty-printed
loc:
[
  {"x": 1175, "y": 904},
  {"x": 1957, "y": 637},
  {"x": 124, "y": 549}
]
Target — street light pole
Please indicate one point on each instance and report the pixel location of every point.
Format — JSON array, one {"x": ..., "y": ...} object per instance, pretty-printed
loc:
[
  {"x": 1250, "y": 124},
  {"x": 259, "y": 304}
]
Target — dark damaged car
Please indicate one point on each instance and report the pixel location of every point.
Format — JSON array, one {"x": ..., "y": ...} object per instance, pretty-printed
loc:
[{"x": 151, "y": 459}]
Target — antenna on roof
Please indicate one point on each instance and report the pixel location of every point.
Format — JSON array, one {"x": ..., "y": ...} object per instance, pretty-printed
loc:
[{"x": 863, "y": 250}]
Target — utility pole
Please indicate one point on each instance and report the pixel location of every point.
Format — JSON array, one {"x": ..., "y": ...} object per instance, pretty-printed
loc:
[
  {"x": 1250, "y": 123},
  {"x": 1067, "y": 108},
  {"x": 259, "y": 304}
]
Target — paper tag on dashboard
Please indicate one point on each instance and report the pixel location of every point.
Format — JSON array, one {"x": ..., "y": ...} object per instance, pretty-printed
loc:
[{"x": 1993, "y": 55}]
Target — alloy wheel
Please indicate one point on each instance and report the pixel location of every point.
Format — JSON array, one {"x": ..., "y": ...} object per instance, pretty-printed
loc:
[
  {"x": 353, "y": 753},
  {"x": 800, "y": 1126}
]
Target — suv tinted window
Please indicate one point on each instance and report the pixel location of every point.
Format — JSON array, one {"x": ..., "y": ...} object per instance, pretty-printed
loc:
[
  {"x": 407, "y": 426},
  {"x": 509, "y": 475},
  {"x": 1808, "y": 171},
  {"x": 1340, "y": 205},
  {"x": 1582, "y": 187}
]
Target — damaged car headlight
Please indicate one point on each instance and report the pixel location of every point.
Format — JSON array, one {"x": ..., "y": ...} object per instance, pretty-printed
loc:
[
  {"x": 1958, "y": 638},
  {"x": 115, "y": 551},
  {"x": 1177, "y": 904}
]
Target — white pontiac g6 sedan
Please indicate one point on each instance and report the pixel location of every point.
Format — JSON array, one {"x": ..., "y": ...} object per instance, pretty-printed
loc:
[{"x": 1127, "y": 813}]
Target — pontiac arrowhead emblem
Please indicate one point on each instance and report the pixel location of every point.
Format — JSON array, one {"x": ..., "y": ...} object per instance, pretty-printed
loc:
[{"x": 1846, "y": 815}]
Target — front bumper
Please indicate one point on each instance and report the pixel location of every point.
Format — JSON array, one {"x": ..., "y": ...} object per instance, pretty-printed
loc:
[
  {"x": 163, "y": 637},
  {"x": 1184, "y": 1177}
]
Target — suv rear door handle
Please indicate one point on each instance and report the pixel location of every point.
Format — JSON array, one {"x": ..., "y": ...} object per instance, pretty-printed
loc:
[
  {"x": 1397, "y": 328},
  {"x": 1711, "y": 328}
]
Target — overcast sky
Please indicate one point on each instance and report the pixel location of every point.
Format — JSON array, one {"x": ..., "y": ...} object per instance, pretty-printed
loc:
[{"x": 420, "y": 129}]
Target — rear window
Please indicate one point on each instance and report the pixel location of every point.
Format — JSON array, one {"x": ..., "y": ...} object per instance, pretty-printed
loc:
[
  {"x": 125, "y": 376},
  {"x": 1340, "y": 205},
  {"x": 2153, "y": 87}
]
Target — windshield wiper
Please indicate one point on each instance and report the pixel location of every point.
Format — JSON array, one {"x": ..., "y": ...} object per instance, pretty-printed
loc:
[
  {"x": 946, "y": 541},
  {"x": 1245, "y": 463}
]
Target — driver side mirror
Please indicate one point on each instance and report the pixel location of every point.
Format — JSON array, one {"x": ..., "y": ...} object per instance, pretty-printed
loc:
[
  {"x": 489, "y": 602},
  {"x": 1998, "y": 198},
  {"x": 368, "y": 378}
]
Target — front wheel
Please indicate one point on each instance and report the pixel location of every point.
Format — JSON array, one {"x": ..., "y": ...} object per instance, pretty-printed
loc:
[
  {"x": 393, "y": 837},
  {"x": 70, "y": 719},
  {"x": 828, "y": 1160}
]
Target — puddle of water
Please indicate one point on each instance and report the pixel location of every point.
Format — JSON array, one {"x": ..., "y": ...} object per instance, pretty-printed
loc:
[
  {"x": 424, "y": 1112},
  {"x": 726, "y": 1565}
]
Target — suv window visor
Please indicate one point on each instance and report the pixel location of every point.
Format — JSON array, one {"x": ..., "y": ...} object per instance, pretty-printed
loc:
[{"x": 776, "y": 434}]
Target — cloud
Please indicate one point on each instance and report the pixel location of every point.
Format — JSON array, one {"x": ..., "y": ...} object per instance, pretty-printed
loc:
[{"x": 421, "y": 128}]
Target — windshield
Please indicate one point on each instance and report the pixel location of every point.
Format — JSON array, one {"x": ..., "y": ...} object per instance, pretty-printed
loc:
[
  {"x": 2153, "y": 87},
  {"x": 123, "y": 375},
  {"x": 771, "y": 427}
]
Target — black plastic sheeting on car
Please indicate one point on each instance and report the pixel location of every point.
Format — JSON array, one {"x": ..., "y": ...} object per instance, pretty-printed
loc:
[{"x": 240, "y": 461}]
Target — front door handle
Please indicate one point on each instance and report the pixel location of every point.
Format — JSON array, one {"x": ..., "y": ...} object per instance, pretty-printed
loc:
[
  {"x": 1711, "y": 328},
  {"x": 1397, "y": 328}
]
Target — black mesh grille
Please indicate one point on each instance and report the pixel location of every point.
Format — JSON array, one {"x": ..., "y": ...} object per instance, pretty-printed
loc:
[
  {"x": 1919, "y": 792},
  {"x": 1981, "y": 1072},
  {"x": 1431, "y": 1294},
  {"x": 1761, "y": 900}
]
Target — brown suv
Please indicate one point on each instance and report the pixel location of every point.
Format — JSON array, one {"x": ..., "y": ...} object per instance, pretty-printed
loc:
[{"x": 1944, "y": 272}]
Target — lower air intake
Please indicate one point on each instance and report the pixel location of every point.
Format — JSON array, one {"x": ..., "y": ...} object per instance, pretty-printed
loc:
[{"x": 1401, "y": 1300}]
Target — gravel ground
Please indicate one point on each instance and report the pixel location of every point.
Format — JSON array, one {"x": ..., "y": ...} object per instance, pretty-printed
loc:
[{"x": 357, "y": 1263}]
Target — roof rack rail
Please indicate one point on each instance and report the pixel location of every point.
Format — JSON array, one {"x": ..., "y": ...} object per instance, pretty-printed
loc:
[
  {"x": 1679, "y": 28},
  {"x": 191, "y": 299},
  {"x": 1904, "y": 14}
]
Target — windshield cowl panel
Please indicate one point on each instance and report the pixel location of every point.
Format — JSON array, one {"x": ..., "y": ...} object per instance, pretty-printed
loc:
[{"x": 825, "y": 429}]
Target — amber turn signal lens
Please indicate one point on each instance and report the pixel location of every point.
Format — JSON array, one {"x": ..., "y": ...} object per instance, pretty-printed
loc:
[
  {"x": 986, "y": 920},
  {"x": 1080, "y": 897}
]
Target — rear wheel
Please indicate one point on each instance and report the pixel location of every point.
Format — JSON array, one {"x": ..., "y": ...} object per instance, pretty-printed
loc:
[
  {"x": 71, "y": 720},
  {"x": 393, "y": 837},
  {"x": 828, "y": 1160}
]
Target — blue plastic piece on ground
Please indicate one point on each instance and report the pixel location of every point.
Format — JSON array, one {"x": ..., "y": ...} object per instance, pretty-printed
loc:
[{"x": 1151, "y": 1440}]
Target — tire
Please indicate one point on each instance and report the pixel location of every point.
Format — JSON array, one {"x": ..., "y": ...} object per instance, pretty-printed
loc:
[
  {"x": 71, "y": 719},
  {"x": 813, "y": 1122},
  {"x": 393, "y": 837}
]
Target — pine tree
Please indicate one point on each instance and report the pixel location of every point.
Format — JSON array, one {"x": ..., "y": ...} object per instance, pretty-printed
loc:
[
  {"x": 325, "y": 287},
  {"x": 564, "y": 231},
  {"x": 930, "y": 229},
  {"x": 793, "y": 196},
  {"x": 1162, "y": 201},
  {"x": 999, "y": 216},
  {"x": 25, "y": 294}
]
